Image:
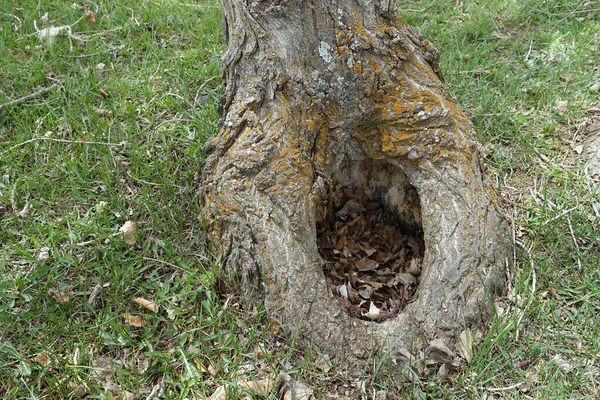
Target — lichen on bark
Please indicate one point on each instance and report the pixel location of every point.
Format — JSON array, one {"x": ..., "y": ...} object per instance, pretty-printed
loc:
[{"x": 322, "y": 96}]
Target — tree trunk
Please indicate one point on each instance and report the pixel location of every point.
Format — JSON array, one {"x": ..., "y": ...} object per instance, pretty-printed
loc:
[{"x": 330, "y": 101}]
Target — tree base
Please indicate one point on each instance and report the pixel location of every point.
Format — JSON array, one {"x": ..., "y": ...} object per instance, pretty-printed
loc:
[{"x": 355, "y": 112}]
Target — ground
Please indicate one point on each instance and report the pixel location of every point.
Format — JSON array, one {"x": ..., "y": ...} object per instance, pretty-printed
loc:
[{"x": 132, "y": 95}]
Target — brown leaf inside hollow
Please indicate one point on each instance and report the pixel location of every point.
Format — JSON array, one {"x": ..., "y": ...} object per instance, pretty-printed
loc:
[{"x": 366, "y": 264}]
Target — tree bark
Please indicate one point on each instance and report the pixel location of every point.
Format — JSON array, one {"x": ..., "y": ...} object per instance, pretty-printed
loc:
[{"x": 322, "y": 96}]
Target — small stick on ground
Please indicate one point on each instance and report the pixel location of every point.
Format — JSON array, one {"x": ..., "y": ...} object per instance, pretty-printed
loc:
[
  {"x": 502, "y": 389},
  {"x": 36, "y": 139},
  {"x": 30, "y": 96},
  {"x": 574, "y": 241},
  {"x": 558, "y": 216}
]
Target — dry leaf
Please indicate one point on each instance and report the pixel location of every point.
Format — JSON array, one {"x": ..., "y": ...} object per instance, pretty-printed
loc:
[
  {"x": 103, "y": 92},
  {"x": 94, "y": 295},
  {"x": 260, "y": 351},
  {"x": 562, "y": 363},
  {"x": 438, "y": 352},
  {"x": 219, "y": 394},
  {"x": 324, "y": 363},
  {"x": 595, "y": 87},
  {"x": 25, "y": 213},
  {"x": 143, "y": 363},
  {"x": 60, "y": 298},
  {"x": 134, "y": 320},
  {"x": 465, "y": 345},
  {"x": 298, "y": 391},
  {"x": 129, "y": 230},
  {"x": 89, "y": 17},
  {"x": 373, "y": 313},
  {"x": 561, "y": 106},
  {"x": 42, "y": 359},
  {"x": 258, "y": 388},
  {"x": 147, "y": 304},
  {"x": 404, "y": 278},
  {"x": 343, "y": 291},
  {"x": 366, "y": 264},
  {"x": 44, "y": 254}
]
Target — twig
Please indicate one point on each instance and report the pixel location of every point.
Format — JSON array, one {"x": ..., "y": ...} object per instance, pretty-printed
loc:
[
  {"x": 37, "y": 139},
  {"x": 502, "y": 389},
  {"x": 163, "y": 262},
  {"x": 30, "y": 96},
  {"x": 514, "y": 236},
  {"x": 202, "y": 87},
  {"x": 196, "y": 5},
  {"x": 529, "y": 52},
  {"x": 167, "y": 121},
  {"x": 13, "y": 202},
  {"x": 15, "y": 17},
  {"x": 79, "y": 56},
  {"x": 565, "y": 212},
  {"x": 153, "y": 183},
  {"x": 415, "y": 10},
  {"x": 533, "y": 285},
  {"x": 81, "y": 244},
  {"x": 181, "y": 98},
  {"x": 574, "y": 242},
  {"x": 542, "y": 157}
]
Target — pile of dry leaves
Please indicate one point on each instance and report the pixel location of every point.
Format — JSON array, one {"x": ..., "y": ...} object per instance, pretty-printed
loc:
[{"x": 371, "y": 267}]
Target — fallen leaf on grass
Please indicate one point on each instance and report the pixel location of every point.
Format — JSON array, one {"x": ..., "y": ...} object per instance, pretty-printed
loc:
[
  {"x": 147, "y": 304},
  {"x": 143, "y": 363},
  {"x": 94, "y": 294},
  {"x": 60, "y": 298},
  {"x": 255, "y": 388},
  {"x": 89, "y": 17},
  {"x": 465, "y": 345},
  {"x": 298, "y": 391},
  {"x": 117, "y": 393},
  {"x": 561, "y": 106},
  {"x": 129, "y": 230},
  {"x": 258, "y": 388},
  {"x": 134, "y": 320},
  {"x": 25, "y": 213},
  {"x": 219, "y": 394},
  {"x": 562, "y": 363},
  {"x": 44, "y": 254},
  {"x": 42, "y": 359}
]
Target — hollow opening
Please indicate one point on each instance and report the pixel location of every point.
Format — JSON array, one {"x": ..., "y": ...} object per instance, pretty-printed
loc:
[{"x": 370, "y": 238}]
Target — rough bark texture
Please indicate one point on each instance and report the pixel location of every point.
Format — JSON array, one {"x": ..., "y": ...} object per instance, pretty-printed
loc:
[{"x": 322, "y": 95}]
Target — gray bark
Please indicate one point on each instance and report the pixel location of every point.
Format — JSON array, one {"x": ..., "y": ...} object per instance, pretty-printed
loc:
[{"x": 325, "y": 95}]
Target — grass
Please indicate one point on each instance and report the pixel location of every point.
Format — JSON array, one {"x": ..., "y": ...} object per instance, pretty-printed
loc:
[{"x": 119, "y": 138}]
